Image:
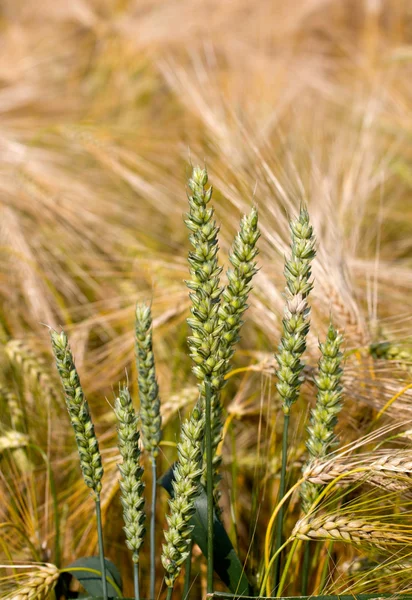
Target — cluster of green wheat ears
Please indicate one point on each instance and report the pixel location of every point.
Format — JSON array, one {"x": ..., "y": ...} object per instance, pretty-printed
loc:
[{"x": 216, "y": 319}]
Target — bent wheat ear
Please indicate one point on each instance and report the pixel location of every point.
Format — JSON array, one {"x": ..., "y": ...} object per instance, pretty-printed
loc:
[
  {"x": 321, "y": 437},
  {"x": 40, "y": 584},
  {"x": 78, "y": 408},
  {"x": 345, "y": 529},
  {"x": 186, "y": 487},
  {"x": 131, "y": 483}
]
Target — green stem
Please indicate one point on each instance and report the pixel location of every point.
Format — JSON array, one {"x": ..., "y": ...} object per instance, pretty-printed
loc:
[
  {"x": 270, "y": 565},
  {"x": 153, "y": 532},
  {"x": 53, "y": 492},
  {"x": 188, "y": 573},
  {"x": 136, "y": 580},
  {"x": 209, "y": 486},
  {"x": 282, "y": 491},
  {"x": 169, "y": 593},
  {"x": 305, "y": 569},
  {"x": 325, "y": 567},
  {"x": 101, "y": 550},
  {"x": 286, "y": 567}
]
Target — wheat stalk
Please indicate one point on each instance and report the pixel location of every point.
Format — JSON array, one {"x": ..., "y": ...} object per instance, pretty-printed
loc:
[
  {"x": 296, "y": 325},
  {"x": 149, "y": 413},
  {"x": 86, "y": 440},
  {"x": 131, "y": 484}
]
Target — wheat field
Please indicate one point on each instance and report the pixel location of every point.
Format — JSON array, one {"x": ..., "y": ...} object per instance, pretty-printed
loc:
[{"x": 105, "y": 105}]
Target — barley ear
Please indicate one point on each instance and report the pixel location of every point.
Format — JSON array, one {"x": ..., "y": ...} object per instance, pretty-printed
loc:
[
  {"x": 77, "y": 406},
  {"x": 321, "y": 437},
  {"x": 39, "y": 585},
  {"x": 186, "y": 487}
]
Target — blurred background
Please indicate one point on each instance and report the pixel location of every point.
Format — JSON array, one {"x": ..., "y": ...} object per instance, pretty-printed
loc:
[{"x": 104, "y": 106}]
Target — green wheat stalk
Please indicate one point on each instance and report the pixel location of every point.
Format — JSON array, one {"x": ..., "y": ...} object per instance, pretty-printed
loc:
[
  {"x": 293, "y": 342},
  {"x": 321, "y": 436},
  {"x": 87, "y": 444},
  {"x": 216, "y": 314},
  {"x": 149, "y": 413},
  {"x": 131, "y": 483}
]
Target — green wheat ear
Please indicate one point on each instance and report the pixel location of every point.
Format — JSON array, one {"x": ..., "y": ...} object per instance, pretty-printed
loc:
[
  {"x": 321, "y": 438},
  {"x": 296, "y": 317},
  {"x": 148, "y": 387},
  {"x": 216, "y": 315},
  {"x": 186, "y": 486},
  {"x": 78, "y": 408},
  {"x": 131, "y": 483}
]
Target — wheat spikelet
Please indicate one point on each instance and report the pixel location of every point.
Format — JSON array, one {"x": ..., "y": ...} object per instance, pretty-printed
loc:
[
  {"x": 345, "y": 529},
  {"x": 32, "y": 367},
  {"x": 39, "y": 585}
]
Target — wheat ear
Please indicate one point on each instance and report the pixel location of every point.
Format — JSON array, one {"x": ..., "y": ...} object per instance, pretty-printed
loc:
[
  {"x": 39, "y": 585},
  {"x": 32, "y": 367},
  {"x": 186, "y": 487},
  {"x": 78, "y": 408},
  {"x": 321, "y": 438},
  {"x": 131, "y": 484},
  {"x": 345, "y": 529}
]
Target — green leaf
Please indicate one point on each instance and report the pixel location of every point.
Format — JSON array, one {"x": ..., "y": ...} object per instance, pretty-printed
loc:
[
  {"x": 87, "y": 572},
  {"x": 226, "y": 562}
]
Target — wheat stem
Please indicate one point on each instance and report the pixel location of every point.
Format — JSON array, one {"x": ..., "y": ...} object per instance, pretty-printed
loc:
[
  {"x": 153, "y": 531},
  {"x": 101, "y": 547},
  {"x": 209, "y": 486}
]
